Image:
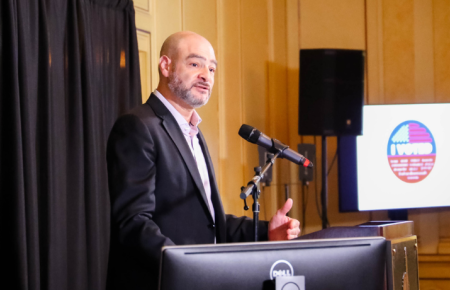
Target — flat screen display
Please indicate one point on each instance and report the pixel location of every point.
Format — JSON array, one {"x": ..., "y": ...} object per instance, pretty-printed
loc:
[
  {"x": 401, "y": 161},
  {"x": 326, "y": 264}
]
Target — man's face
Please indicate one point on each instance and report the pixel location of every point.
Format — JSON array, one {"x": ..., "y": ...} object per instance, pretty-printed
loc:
[{"x": 191, "y": 76}]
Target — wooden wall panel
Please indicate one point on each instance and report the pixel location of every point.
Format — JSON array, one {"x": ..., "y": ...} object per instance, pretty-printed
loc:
[
  {"x": 143, "y": 5},
  {"x": 169, "y": 19},
  {"x": 230, "y": 105},
  {"x": 145, "y": 25},
  {"x": 332, "y": 24},
  {"x": 441, "y": 25},
  {"x": 374, "y": 52},
  {"x": 144, "y": 46},
  {"x": 423, "y": 52},
  {"x": 398, "y": 46}
]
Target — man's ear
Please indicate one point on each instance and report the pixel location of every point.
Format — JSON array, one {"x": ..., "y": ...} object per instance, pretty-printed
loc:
[{"x": 164, "y": 65}]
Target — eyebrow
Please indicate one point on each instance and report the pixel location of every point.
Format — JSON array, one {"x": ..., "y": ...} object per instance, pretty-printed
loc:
[{"x": 193, "y": 55}]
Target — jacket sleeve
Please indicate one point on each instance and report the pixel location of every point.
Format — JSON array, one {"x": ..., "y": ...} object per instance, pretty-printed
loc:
[
  {"x": 240, "y": 229},
  {"x": 131, "y": 173}
]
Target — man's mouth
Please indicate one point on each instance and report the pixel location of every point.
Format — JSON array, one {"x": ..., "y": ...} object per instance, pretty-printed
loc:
[{"x": 204, "y": 87}]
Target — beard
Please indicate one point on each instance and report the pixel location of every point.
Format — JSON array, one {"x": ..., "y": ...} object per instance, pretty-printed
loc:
[{"x": 183, "y": 92}]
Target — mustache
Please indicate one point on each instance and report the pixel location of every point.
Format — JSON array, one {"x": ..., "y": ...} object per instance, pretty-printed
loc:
[{"x": 202, "y": 84}]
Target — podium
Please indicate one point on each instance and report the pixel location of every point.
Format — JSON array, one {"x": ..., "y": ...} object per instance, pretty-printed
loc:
[{"x": 401, "y": 249}]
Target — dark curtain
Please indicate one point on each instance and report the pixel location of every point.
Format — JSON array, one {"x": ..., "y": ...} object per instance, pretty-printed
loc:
[{"x": 68, "y": 68}]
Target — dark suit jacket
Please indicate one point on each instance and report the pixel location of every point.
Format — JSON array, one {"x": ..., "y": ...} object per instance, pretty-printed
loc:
[{"x": 157, "y": 197}]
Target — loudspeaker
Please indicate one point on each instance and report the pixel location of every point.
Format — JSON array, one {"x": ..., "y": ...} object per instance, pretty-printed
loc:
[{"x": 331, "y": 92}]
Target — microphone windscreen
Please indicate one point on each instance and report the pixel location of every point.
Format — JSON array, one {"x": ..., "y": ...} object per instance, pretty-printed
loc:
[{"x": 249, "y": 133}]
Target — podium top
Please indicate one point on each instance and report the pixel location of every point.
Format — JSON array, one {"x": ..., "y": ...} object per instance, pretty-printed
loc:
[
  {"x": 388, "y": 229},
  {"x": 391, "y": 229}
]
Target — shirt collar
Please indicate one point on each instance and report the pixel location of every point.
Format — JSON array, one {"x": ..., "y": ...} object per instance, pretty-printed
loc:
[{"x": 188, "y": 129}]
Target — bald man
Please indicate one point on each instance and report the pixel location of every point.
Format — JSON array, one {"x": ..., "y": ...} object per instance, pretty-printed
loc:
[{"x": 162, "y": 183}]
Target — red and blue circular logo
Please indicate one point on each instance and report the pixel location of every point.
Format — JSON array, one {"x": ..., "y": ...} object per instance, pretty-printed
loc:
[{"x": 411, "y": 151}]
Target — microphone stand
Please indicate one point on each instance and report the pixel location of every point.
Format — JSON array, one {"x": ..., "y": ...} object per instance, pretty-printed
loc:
[{"x": 253, "y": 185}]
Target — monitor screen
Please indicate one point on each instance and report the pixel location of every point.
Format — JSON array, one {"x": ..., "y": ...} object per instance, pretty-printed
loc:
[
  {"x": 356, "y": 263},
  {"x": 400, "y": 160}
]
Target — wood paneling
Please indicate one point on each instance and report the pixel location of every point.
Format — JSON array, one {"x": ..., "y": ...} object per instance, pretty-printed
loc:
[
  {"x": 441, "y": 26},
  {"x": 332, "y": 24},
  {"x": 144, "y": 46},
  {"x": 168, "y": 20},
  {"x": 145, "y": 25},
  {"x": 374, "y": 52},
  {"x": 423, "y": 52},
  {"x": 398, "y": 51},
  {"x": 434, "y": 272},
  {"x": 230, "y": 86},
  {"x": 143, "y": 5}
]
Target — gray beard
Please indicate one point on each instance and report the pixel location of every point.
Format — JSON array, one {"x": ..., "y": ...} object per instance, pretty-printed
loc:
[{"x": 184, "y": 93}]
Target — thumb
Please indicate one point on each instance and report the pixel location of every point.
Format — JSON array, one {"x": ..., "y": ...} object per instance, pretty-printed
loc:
[{"x": 286, "y": 207}]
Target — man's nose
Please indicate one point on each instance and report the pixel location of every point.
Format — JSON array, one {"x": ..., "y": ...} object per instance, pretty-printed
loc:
[{"x": 205, "y": 75}]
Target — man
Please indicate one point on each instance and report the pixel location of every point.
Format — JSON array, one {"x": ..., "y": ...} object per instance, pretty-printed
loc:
[{"x": 162, "y": 183}]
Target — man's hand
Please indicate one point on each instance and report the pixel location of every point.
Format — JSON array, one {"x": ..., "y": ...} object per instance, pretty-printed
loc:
[{"x": 282, "y": 227}]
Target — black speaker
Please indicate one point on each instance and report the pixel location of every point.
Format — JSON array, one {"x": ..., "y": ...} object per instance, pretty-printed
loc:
[{"x": 331, "y": 92}]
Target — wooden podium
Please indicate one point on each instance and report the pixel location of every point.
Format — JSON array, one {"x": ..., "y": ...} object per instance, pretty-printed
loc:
[{"x": 401, "y": 250}]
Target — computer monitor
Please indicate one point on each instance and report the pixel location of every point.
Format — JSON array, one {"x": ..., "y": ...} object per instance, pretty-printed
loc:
[{"x": 328, "y": 264}]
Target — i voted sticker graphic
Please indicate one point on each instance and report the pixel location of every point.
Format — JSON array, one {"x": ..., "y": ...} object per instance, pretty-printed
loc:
[{"x": 411, "y": 151}]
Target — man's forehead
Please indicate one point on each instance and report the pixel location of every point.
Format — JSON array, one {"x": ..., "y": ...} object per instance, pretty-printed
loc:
[{"x": 196, "y": 46}]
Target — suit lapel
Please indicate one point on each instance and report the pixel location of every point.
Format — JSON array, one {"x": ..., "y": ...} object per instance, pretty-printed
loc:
[
  {"x": 173, "y": 130},
  {"x": 215, "y": 197}
]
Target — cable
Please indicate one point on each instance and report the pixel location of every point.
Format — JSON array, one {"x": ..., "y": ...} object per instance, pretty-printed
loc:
[
  {"x": 334, "y": 159},
  {"x": 315, "y": 185}
]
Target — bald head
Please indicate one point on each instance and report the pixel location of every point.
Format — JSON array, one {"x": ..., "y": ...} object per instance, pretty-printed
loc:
[
  {"x": 172, "y": 44},
  {"x": 187, "y": 65}
]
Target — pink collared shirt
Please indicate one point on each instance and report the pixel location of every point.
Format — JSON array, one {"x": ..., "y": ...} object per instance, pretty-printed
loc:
[{"x": 190, "y": 131}]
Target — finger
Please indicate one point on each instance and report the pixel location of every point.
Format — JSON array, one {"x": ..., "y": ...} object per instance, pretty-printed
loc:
[
  {"x": 294, "y": 232},
  {"x": 293, "y": 223},
  {"x": 286, "y": 207},
  {"x": 291, "y": 237}
]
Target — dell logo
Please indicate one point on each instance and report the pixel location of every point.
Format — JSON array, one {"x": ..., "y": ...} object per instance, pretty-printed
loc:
[{"x": 281, "y": 268}]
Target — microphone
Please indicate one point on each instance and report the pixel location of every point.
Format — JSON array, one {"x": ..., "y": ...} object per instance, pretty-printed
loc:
[{"x": 255, "y": 136}]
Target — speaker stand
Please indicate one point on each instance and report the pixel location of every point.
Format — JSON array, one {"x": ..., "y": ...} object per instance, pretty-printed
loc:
[
  {"x": 398, "y": 214},
  {"x": 324, "y": 193}
]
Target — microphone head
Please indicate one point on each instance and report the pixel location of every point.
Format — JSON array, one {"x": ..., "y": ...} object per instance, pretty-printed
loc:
[{"x": 249, "y": 133}]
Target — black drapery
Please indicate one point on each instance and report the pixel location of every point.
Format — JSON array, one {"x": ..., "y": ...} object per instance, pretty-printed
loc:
[{"x": 68, "y": 68}]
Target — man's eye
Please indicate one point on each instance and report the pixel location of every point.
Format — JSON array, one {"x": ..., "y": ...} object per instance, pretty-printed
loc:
[
  {"x": 194, "y": 65},
  {"x": 212, "y": 70}
]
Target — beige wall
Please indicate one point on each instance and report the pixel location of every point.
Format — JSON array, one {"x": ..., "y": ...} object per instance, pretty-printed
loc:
[{"x": 257, "y": 43}]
